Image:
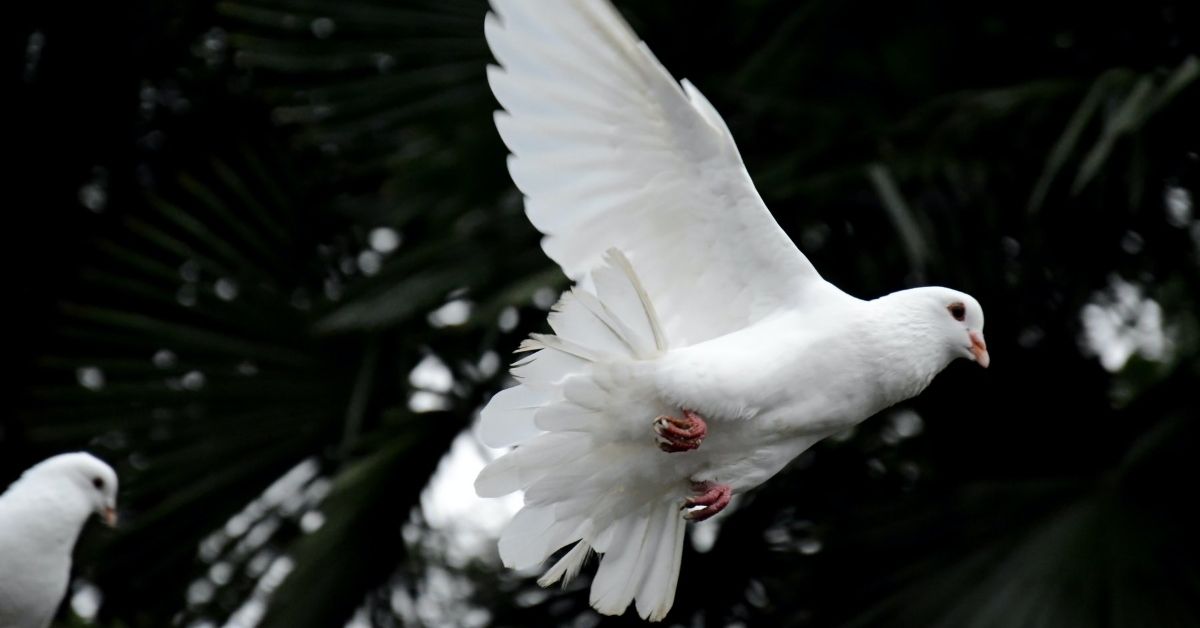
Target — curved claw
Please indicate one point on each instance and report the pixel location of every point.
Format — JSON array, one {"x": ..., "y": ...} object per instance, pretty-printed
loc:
[
  {"x": 712, "y": 497},
  {"x": 675, "y": 435}
]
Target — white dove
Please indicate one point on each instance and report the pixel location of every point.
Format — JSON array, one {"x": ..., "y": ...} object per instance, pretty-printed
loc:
[
  {"x": 41, "y": 516},
  {"x": 723, "y": 357}
]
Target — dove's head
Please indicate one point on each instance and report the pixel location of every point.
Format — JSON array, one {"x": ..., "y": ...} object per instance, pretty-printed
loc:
[
  {"x": 79, "y": 478},
  {"x": 951, "y": 318},
  {"x": 960, "y": 320}
]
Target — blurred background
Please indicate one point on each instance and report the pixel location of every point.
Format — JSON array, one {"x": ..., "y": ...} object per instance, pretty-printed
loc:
[{"x": 265, "y": 258}]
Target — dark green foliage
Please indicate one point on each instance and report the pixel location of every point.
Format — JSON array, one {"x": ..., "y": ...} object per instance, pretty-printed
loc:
[{"x": 1027, "y": 153}]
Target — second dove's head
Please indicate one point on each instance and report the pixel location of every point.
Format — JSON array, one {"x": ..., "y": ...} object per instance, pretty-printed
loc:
[{"x": 86, "y": 476}]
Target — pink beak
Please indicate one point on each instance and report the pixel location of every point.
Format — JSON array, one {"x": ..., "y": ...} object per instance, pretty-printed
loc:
[
  {"x": 110, "y": 517},
  {"x": 979, "y": 349}
]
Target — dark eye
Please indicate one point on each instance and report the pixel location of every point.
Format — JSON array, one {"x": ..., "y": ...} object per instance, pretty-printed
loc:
[
  {"x": 98, "y": 483},
  {"x": 958, "y": 311}
]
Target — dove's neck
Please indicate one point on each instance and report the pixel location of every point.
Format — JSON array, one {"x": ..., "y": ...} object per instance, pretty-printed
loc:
[
  {"x": 908, "y": 348},
  {"x": 48, "y": 516}
]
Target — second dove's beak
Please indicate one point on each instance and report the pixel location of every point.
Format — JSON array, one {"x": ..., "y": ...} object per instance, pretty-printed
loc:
[
  {"x": 979, "y": 349},
  {"x": 110, "y": 517}
]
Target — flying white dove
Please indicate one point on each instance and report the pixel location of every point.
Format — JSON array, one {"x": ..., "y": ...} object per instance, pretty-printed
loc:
[
  {"x": 41, "y": 516},
  {"x": 700, "y": 351}
]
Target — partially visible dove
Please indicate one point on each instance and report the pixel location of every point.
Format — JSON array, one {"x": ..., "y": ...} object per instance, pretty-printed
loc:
[
  {"x": 41, "y": 516},
  {"x": 700, "y": 351}
]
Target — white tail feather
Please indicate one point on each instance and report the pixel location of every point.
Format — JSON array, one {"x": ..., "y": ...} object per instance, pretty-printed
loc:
[
  {"x": 568, "y": 566},
  {"x": 578, "y": 468}
]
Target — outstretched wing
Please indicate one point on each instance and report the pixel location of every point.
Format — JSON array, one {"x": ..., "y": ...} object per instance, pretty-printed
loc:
[{"x": 610, "y": 151}]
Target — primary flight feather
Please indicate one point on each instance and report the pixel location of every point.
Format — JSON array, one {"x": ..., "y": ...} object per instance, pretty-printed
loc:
[{"x": 699, "y": 351}]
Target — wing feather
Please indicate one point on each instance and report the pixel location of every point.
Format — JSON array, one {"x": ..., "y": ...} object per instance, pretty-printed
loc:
[{"x": 610, "y": 151}]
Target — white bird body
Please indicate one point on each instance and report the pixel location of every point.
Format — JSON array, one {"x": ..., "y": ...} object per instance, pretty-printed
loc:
[
  {"x": 777, "y": 387},
  {"x": 689, "y": 298},
  {"x": 41, "y": 516},
  {"x": 34, "y": 582}
]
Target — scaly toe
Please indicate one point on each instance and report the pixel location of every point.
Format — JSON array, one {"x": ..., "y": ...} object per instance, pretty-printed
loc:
[
  {"x": 674, "y": 435},
  {"x": 713, "y": 499}
]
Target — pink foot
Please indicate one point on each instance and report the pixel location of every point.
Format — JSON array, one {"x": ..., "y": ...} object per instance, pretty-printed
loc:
[
  {"x": 712, "y": 496},
  {"x": 675, "y": 435}
]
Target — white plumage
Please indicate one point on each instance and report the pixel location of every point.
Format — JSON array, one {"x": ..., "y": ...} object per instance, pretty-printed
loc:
[
  {"x": 688, "y": 296},
  {"x": 41, "y": 516}
]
